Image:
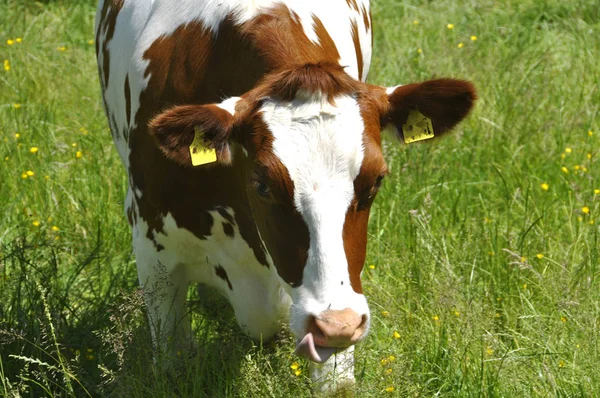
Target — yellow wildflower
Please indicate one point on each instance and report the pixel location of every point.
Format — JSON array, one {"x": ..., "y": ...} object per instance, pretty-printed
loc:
[
  {"x": 389, "y": 389},
  {"x": 10, "y": 42},
  {"x": 372, "y": 266},
  {"x": 563, "y": 319},
  {"x": 46, "y": 177},
  {"x": 396, "y": 335},
  {"x": 591, "y": 222},
  {"x": 6, "y": 65},
  {"x": 545, "y": 186},
  {"x": 568, "y": 150},
  {"x": 473, "y": 38},
  {"x": 583, "y": 169},
  {"x": 561, "y": 364},
  {"x": 18, "y": 40},
  {"x": 590, "y": 133},
  {"x": 74, "y": 145},
  {"x": 562, "y": 155},
  {"x": 391, "y": 358},
  {"x": 16, "y": 106},
  {"x": 36, "y": 223},
  {"x": 24, "y": 175},
  {"x": 579, "y": 218},
  {"x": 78, "y": 154},
  {"x": 596, "y": 191},
  {"x": 539, "y": 256},
  {"x": 385, "y": 313},
  {"x": 435, "y": 318},
  {"x": 90, "y": 42},
  {"x": 419, "y": 50},
  {"x": 33, "y": 149},
  {"x": 6, "y": 158},
  {"x": 523, "y": 259},
  {"x": 450, "y": 26},
  {"x": 456, "y": 313},
  {"x": 17, "y": 135},
  {"x": 30, "y": 173},
  {"x": 576, "y": 167},
  {"x": 61, "y": 48},
  {"x": 389, "y": 371},
  {"x": 565, "y": 170},
  {"x": 524, "y": 285},
  {"x": 298, "y": 372},
  {"x": 460, "y": 45},
  {"x": 415, "y": 22},
  {"x": 295, "y": 366},
  {"x": 585, "y": 210},
  {"x": 55, "y": 228},
  {"x": 489, "y": 350},
  {"x": 497, "y": 315}
]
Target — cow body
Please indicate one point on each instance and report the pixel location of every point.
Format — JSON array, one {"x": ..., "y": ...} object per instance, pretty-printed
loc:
[{"x": 265, "y": 75}]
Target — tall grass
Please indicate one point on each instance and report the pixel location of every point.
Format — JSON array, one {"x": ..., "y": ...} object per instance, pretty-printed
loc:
[{"x": 483, "y": 262}]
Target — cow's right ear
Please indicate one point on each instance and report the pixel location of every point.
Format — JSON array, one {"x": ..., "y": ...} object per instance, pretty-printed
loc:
[{"x": 201, "y": 131}]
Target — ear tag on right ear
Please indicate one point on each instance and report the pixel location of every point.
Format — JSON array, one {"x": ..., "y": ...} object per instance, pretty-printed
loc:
[
  {"x": 199, "y": 153},
  {"x": 418, "y": 127}
]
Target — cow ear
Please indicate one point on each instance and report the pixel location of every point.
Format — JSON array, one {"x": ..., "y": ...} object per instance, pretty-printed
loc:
[
  {"x": 193, "y": 135},
  {"x": 444, "y": 102}
]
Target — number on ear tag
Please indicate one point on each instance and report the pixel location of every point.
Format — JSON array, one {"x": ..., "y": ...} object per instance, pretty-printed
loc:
[
  {"x": 199, "y": 153},
  {"x": 418, "y": 127}
]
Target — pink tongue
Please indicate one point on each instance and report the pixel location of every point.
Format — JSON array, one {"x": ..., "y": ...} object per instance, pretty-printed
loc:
[{"x": 306, "y": 348}]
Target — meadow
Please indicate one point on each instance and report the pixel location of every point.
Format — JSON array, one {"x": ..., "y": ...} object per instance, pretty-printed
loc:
[{"x": 483, "y": 267}]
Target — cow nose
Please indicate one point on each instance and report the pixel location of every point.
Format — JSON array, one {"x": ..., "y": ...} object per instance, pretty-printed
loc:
[{"x": 335, "y": 328}]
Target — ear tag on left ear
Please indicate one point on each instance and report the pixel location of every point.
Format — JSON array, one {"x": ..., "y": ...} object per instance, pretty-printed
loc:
[
  {"x": 418, "y": 127},
  {"x": 199, "y": 152}
]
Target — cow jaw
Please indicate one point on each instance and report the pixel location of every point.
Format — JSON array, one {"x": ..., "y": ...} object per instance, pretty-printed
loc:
[{"x": 321, "y": 146}]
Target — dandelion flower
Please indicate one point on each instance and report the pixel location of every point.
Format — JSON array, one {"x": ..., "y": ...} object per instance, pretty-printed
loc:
[
  {"x": 61, "y": 48},
  {"x": 18, "y": 40},
  {"x": 562, "y": 156},
  {"x": 576, "y": 167},
  {"x": 390, "y": 389},
  {"x": 589, "y": 155},
  {"x": 74, "y": 145},
  {"x": 415, "y": 22},
  {"x": 30, "y": 173},
  {"x": 16, "y": 106},
  {"x": 561, "y": 364},
  {"x": 33, "y": 149},
  {"x": 545, "y": 186},
  {"x": 473, "y": 38},
  {"x": 456, "y": 313},
  {"x": 90, "y": 42},
  {"x": 539, "y": 256},
  {"x": 55, "y": 228},
  {"x": 460, "y": 45},
  {"x": 579, "y": 218},
  {"x": 372, "y": 266},
  {"x": 46, "y": 177},
  {"x": 563, "y": 319},
  {"x": 298, "y": 372},
  {"x": 396, "y": 335},
  {"x": 419, "y": 50},
  {"x": 6, "y": 65},
  {"x": 523, "y": 259},
  {"x": 435, "y": 318},
  {"x": 590, "y": 133},
  {"x": 585, "y": 210},
  {"x": 591, "y": 222},
  {"x": 596, "y": 191},
  {"x": 489, "y": 350},
  {"x": 564, "y": 170},
  {"x": 78, "y": 154},
  {"x": 24, "y": 175},
  {"x": 36, "y": 223},
  {"x": 568, "y": 150},
  {"x": 524, "y": 285},
  {"x": 385, "y": 313},
  {"x": 17, "y": 135},
  {"x": 6, "y": 158},
  {"x": 450, "y": 26},
  {"x": 391, "y": 358},
  {"x": 10, "y": 42},
  {"x": 389, "y": 371},
  {"x": 295, "y": 366}
]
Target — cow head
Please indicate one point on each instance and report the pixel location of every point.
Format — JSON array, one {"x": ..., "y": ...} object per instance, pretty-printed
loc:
[{"x": 312, "y": 161}]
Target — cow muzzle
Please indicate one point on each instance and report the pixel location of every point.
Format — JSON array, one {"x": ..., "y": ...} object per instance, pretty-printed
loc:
[{"x": 331, "y": 331}]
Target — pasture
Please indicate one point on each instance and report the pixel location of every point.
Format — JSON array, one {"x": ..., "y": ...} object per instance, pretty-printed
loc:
[{"x": 483, "y": 266}]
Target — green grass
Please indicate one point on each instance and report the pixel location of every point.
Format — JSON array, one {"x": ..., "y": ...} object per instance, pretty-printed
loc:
[{"x": 454, "y": 234}]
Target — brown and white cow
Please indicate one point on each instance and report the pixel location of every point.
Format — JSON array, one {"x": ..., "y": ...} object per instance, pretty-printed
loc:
[{"x": 278, "y": 222}]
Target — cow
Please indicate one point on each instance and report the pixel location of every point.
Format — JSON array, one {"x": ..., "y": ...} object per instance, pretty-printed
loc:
[{"x": 252, "y": 145}]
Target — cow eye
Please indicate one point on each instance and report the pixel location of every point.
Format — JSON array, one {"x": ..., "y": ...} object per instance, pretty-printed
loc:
[
  {"x": 262, "y": 188},
  {"x": 379, "y": 181}
]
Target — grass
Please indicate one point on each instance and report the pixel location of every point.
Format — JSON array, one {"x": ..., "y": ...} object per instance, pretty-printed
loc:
[{"x": 483, "y": 254}]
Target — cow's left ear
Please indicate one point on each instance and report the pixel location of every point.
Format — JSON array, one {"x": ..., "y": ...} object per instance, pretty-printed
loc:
[
  {"x": 193, "y": 135},
  {"x": 444, "y": 102}
]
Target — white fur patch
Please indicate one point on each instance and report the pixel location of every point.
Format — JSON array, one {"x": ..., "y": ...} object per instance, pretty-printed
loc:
[{"x": 322, "y": 148}]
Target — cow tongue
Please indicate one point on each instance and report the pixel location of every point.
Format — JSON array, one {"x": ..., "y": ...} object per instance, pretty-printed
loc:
[{"x": 306, "y": 348}]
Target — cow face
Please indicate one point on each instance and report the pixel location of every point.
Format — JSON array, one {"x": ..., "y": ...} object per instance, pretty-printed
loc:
[{"x": 313, "y": 164}]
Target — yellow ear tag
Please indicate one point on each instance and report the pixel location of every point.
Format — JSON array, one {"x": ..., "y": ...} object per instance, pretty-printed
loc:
[
  {"x": 199, "y": 153},
  {"x": 418, "y": 127}
]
